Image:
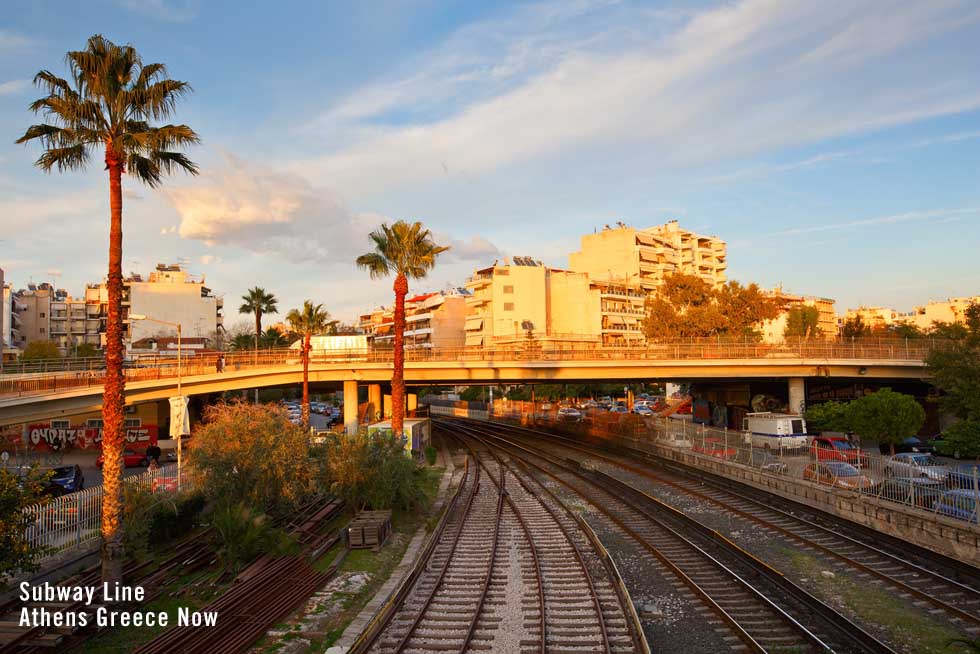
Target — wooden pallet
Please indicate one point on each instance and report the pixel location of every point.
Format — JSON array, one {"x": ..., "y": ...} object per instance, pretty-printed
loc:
[{"x": 369, "y": 529}]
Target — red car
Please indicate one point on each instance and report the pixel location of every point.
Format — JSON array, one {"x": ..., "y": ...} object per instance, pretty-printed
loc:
[
  {"x": 836, "y": 448},
  {"x": 131, "y": 459},
  {"x": 715, "y": 447}
]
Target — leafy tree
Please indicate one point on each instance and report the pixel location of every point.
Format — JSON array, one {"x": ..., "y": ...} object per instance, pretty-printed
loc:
[
  {"x": 803, "y": 321},
  {"x": 16, "y": 494},
  {"x": 405, "y": 251},
  {"x": 311, "y": 319},
  {"x": 372, "y": 470},
  {"x": 241, "y": 342},
  {"x": 258, "y": 302},
  {"x": 86, "y": 351},
  {"x": 905, "y": 330},
  {"x": 252, "y": 453},
  {"x": 962, "y": 438},
  {"x": 955, "y": 368},
  {"x": 829, "y": 416},
  {"x": 687, "y": 306},
  {"x": 40, "y": 351},
  {"x": 108, "y": 104},
  {"x": 953, "y": 331},
  {"x": 854, "y": 327},
  {"x": 885, "y": 416}
]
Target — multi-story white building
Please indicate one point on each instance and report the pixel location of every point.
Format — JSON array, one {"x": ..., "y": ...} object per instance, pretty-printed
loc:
[
  {"x": 171, "y": 294},
  {"x": 431, "y": 320},
  {"x": 951, "y": 310},
  {"x": 645, "y": 257}
]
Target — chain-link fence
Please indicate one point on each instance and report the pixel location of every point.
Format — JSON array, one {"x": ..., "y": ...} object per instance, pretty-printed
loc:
[{"x": 918, "y": 480}]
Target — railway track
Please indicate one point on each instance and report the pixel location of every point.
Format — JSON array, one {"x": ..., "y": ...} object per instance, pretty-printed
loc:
[
  {"x": 761, "y": 609},
  {"x": 958, "y": 601},
  {"x": 509, "y": 573}
]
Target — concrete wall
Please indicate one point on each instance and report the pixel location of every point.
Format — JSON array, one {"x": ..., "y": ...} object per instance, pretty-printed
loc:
[
  {"x": 181, "y": 303},
  {"x": 952, "y": 538}
]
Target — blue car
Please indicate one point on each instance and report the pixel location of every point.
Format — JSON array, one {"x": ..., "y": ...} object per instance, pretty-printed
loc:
[
  {"x": 66, "y": 479},
  {"x": 961, "y": 504},
  {"x": 963, "y": 475}
]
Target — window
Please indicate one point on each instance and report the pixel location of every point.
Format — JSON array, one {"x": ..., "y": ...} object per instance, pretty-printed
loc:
[
  {"x": 501, "y": 271},
  {"x": 42, "y": 330},
  {"x": 132, "y": 423},
  {"x": 508, "y": 306},
  {"x": 61, "y": 424},
  {"x": 42, "y": 315},
  {"x": 94, "y": 423},
  {"x": 508, "y": 289}
]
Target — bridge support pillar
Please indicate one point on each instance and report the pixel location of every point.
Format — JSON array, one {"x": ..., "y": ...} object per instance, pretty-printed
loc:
[
  {"x": 374, "y": 402},
  {"x": 412, "y": 402},
  {"x": 387, "y": 407},
  {"x": 350, "y": 407},
  {"x": 797, "y": 395}
]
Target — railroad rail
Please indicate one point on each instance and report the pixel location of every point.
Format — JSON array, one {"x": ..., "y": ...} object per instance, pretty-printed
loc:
[
  {"x": 509, "y": 573},
  {"x": 760, "y": 607},
  {"x": 959, "y": 601}
]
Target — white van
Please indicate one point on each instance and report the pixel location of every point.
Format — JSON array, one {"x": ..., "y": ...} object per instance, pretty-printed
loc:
[{"x": 775, "y": 431}]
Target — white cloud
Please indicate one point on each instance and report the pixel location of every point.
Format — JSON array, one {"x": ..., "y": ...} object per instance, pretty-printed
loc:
[
  {"x": 12, "y": 41},
  {"x": 207, "y": 259},
  {"x": 731, "y": 81},
  {"x": 15, "y": 86},
  {"x": 934, "y": 216},
  {"x": 270, "y": 212},
  {"x": 173, "y": 11}
]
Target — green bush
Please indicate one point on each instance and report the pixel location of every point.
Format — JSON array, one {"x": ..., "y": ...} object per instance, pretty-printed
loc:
[
  {"x": 371, "y": 471},
  {"x": 430, "y": 455},
  {"x": 241, "y": 534}
]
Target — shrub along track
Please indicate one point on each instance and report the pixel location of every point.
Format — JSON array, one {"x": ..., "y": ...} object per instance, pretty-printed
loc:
[
  {"x": 762, "y": 609},
  {"x": 192, "y": 554},
  {"x": 508, "y": 573},
  {"x": 958, "y": 600}
]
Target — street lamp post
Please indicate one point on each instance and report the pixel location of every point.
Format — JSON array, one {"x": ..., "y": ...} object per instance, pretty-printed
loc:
[{"x": 180, "y": 393}]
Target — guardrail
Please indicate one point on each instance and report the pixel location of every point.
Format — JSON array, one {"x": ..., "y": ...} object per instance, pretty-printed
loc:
[
  {"x": 151, "y": 368},
  {"x": 73, "y": 520}
]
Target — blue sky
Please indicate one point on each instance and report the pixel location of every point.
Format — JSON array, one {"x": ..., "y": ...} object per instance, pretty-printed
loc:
[{"x": 835, "y": 146}]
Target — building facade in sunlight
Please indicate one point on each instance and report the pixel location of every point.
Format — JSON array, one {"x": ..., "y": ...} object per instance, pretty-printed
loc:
[
  {"x": 172, "y": 294},
  {"x": 645, "y": 257},
  {"x": 526, "y": 303},
  {"x": 431, "y": 320},
  {"x": 773, "y": 331}
]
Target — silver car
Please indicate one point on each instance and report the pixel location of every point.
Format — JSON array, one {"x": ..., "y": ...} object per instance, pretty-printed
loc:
[{"x": 916, "y": 464}]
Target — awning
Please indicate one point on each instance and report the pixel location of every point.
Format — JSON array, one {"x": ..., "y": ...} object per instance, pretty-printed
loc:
[
  {"x": 474, "y": 339},
  {"x": 474, "y": 324},
  {"x": 615, "y": 320},
  {"x": 382, "y": 330}
]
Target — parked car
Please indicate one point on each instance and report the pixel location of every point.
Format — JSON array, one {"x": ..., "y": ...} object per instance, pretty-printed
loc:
[
  {"x": 837, "y": 474},
  {"x": 68, "y": 479},
  {"x": 588, "y": 404},
  {"x": 964, "y": 475},
  {"x": 568, "y": 414},
  {"x": 131, "y": 459},
  {"x": 715, "y": 447},
  {"x": 911, "y": 464},
  {"x": 910, "y": 444},
  {"x": 921, "y": 492},
  {"x": 836, "y": 448},
  {"x": 642, "y": 410},
  {"x": 960, "y": 503},
  {"x": 619, "y": 408}
]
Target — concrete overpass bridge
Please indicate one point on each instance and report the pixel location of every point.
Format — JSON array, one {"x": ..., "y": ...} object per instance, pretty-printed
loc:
[{"x": 40, "y": 394}]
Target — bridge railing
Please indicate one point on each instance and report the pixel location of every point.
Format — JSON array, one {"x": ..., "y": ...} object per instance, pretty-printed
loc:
[{"x": 75, "y": 375}]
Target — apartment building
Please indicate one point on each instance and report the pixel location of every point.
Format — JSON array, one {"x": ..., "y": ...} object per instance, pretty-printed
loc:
[
  {"x": 878, "y": 318},
  {"x": 621, "y": 309},
  {"x": 35, "y": 312},
  {"x": 951, "y": 310},
  {"x": 171, "y": 294},
  {"x": 523, "y": 301},
  {"x": 11, "y": 336},
  {"x": 646, "y": 256},
  {"x": 432, "y": 320},
  {"x": 773, "y": 330}
]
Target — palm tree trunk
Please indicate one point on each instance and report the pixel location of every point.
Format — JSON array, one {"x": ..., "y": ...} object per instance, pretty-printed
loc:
[
  {"x": 306, "y": 380},
  {"x": 398, "y": 373},
  {"x": 112, "y": 395},
  {"x": 258, "y": 335}
]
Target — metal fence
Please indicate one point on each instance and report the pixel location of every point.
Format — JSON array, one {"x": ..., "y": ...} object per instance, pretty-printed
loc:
[
  {"x": 916, "y": 480},
  {"x": 855, "y": 350},
  {"x": 73, "y": 520}
]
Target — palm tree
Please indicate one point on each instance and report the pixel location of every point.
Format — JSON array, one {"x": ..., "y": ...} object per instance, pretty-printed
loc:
[
  {"x": 407, "y": 251},
  {"x": 272, "y": 338},
  {"x": 241, "y": 342},
  {"x": 259, "y": 303},
  {"x": 107, "y": 105},
  {"x": 311, "y": 319}
]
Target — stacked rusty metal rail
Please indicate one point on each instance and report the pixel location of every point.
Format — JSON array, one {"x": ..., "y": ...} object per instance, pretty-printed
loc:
[
  {"x": 770, "y": 612},
  {"x": 265, "y": 592}
]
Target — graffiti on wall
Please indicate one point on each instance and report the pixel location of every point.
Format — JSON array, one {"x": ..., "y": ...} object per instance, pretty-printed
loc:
[{"x": 45, "y": 437}]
